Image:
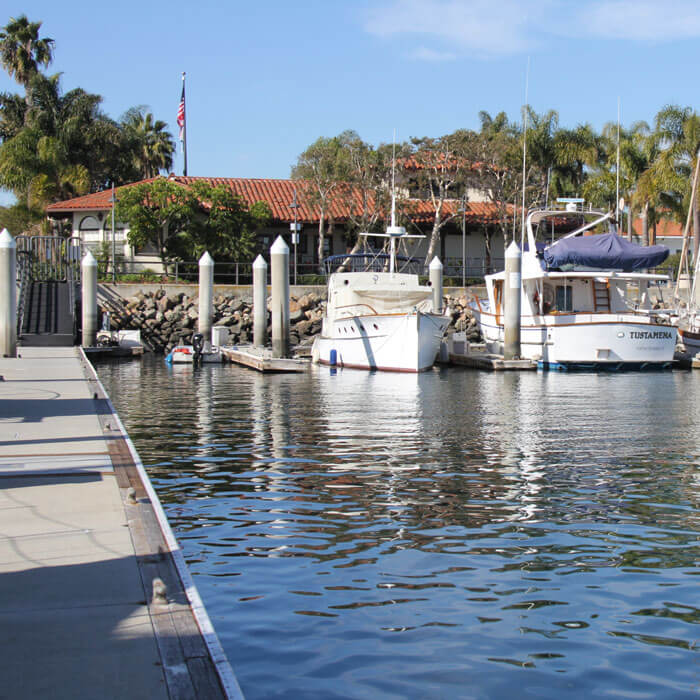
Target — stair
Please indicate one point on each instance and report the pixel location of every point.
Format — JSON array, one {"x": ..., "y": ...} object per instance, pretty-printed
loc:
[
  {"x": 601, "y": 296},
  {"x": 48, "y": 316}
]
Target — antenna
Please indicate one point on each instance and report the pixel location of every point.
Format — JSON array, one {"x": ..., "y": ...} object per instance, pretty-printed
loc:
[{"x": 522, "y": 224}]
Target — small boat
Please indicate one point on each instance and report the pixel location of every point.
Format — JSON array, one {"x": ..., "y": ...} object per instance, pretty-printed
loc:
[
  {"x": 185, "y": 354},
  {"x": 197, "y": 353},
  {"x": 584, "y": 301}
]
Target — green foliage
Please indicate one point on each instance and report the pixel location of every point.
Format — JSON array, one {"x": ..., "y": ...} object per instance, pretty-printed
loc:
[
  {"x": 311, "y": 280},
  {"x": 19, "y": 219},
  {"x": 157, "y": 214},
  {"x": 182, "y": 222},
  {"x": 223, "y": 225},
  {"x": 54, "y": 146},
  {"x": 152, "y": 147},
  {"x": 21, "y": 49}
]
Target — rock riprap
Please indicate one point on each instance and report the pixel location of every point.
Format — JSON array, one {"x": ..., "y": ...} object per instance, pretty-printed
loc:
[{"x": 166, "y": 320}]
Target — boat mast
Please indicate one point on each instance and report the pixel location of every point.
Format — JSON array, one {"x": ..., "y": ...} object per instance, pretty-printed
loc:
[
  {"x": 617, "y": 171},
  {"x": 522, "y": 217},
  {"x": 393, "y": 231},
  {"x": 686, "y": 237},
  {"x": 392, "y": 259}
]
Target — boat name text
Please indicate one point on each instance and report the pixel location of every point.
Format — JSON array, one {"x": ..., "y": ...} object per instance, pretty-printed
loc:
[{"x": 651, "y": 335}]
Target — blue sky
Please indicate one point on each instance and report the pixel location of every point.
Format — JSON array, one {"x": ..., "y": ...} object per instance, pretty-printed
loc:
[{"x": 266, "y": 78}]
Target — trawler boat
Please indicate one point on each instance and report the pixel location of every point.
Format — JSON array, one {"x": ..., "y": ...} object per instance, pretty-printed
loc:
[
  {"x": 378, "y": 315},
  {"x": 584, "y": 302}
]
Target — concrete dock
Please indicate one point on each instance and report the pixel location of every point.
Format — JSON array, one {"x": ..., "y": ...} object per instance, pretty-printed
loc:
[{"x": 95, "y": 598}]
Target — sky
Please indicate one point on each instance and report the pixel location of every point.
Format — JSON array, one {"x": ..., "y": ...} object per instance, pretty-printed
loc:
[{"x": 265, "y": 79}]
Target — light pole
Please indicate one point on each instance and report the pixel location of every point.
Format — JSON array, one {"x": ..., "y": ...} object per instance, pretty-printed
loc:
[
  {"x": 295, "y": 232},
  {"x": 463, "y": 209},
  {"x": 113, "y": 201}
]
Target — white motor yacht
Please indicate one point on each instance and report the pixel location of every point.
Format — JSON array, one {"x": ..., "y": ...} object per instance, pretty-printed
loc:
[
  {"x": 584, "y": 299},
  {"x": 377, "y": 315}
]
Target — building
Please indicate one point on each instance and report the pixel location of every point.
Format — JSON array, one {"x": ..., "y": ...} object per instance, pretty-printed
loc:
[{"x": 88, "y": 218}]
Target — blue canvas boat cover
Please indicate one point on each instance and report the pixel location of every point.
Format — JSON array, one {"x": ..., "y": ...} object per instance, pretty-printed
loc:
[{"x": 606, "y": 251}]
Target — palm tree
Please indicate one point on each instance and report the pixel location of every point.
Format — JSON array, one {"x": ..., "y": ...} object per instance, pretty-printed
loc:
[
  {"x": 637, "y": 152},
  {"x": 22, "y": 51},
  {"x": 678, "y": 137},
  {"x": 152, "y": 146}
]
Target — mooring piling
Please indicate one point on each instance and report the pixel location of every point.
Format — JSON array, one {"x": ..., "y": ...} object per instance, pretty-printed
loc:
[
  {"x": 8, "y": 294},
  {"x": 513, "y": 286},
  {"x": 206, "y": 298},
  {"x": 436, "y": 283},
  {"x": 279, "y": 268},
  {"x": 259, "y": 302},
  {"x": 88, "y": 268}
]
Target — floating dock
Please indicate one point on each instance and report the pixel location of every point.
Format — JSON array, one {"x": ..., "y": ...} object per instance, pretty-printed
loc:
[
  {"x": 113, "y": 351},
  {"x": 95, "y": 597},
  {"x": 463, "y": 354},
  {"x": 262, "y": 359}
]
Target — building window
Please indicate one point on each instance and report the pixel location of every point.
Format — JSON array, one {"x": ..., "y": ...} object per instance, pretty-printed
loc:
[{"x": 89, "y": 229}]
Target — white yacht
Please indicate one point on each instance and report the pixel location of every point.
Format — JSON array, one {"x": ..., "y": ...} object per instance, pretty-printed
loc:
[
  {"x": 584, "y": 302},
  {"x": 378, "y": 316}
]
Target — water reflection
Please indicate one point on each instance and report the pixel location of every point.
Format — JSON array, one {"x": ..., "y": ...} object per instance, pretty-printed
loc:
[{"x": 381, "y": 535}]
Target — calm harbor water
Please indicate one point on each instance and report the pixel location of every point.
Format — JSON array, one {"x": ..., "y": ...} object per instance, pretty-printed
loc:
[{"x": 454, "y": 534}]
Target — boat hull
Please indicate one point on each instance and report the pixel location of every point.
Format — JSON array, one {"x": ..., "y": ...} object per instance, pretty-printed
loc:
[
  {"x": 184, "y": 355},
  {"x": 393, "y": 343},
  {"x": 689, "y": 338},
  {"x": 587, "y": 341}
]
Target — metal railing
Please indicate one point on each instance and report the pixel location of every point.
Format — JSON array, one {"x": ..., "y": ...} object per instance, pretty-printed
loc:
[
  {"x": 23, "y": 269},
  {"x": 50, "y": 257},
  {"x": 241, "y": 273}
]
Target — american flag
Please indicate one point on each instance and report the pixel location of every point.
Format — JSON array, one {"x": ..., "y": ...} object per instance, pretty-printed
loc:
[{"x": 181, "y": 114}]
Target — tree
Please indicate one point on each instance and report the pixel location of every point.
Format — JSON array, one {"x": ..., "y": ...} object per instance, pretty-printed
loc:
[
  {"x": 157, "y": 213},
  {"x": 440, "y": 167},
  {"x": 496, "y": 170},
  {"x": 223, "y": 224},
  {"x": 22, "y": 51},
  {"x": 677, "y": 135},
  {"x": 636, "y": 150},
  {"x": 151, "y": 145},
  {"x": 184, "y": 221},
  {"x": 324, "y": 167}
]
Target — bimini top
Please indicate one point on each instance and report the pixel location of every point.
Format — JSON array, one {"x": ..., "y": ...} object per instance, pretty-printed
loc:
[{"x": 606, "y": 251}]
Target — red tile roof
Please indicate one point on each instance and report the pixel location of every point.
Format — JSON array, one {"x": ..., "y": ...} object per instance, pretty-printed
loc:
[
  {"x": 665, "y": 227},
  {"x": 279, "y": 194}
]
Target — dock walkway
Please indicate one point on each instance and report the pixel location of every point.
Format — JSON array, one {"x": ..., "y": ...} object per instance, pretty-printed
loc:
[{"x": 82, "y": 539}]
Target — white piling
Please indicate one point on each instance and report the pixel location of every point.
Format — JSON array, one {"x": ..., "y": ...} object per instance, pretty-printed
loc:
[
  {"x": 206, "y": 297},
  {"x": 259, "y": 302},
  {"x": 8, "y": 295},
  {"x": 436, "y": 283},
  {"x": 279, "y": 268},
  {"x": 513, "y": 286},
  {"x": 88, "y": 268}
]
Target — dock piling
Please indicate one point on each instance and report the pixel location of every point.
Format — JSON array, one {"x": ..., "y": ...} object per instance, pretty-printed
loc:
[
  {"x": 8, "y": 294},
  {"x": 206, "y": 298},
  {"x": 279, "y": 264},
  {"x": 259, "y": 302},
  {"x": 88, "y": 268},
  {"x": 513, "y": 286},
  {"x": 436, "y": 283}
]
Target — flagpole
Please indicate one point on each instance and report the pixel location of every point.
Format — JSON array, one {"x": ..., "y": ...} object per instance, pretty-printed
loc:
[{"x": 184, "y": 127}]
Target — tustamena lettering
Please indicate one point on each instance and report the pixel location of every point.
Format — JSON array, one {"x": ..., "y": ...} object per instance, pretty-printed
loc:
[{"x": 651, "y": 335}]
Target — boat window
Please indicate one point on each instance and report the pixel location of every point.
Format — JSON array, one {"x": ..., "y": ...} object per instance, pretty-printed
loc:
[{"x": 564, "y": 298}]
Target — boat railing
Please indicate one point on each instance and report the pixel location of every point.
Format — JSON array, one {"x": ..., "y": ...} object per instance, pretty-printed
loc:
[{"x": 371, "y": 262}]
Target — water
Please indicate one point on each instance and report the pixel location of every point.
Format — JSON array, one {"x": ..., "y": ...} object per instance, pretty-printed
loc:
[{"x": 450, "y": 535}]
